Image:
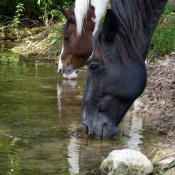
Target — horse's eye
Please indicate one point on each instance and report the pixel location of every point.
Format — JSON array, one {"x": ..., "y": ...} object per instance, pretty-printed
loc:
[
  {"x": 95, "y": 68},
  {"x": 67, "y": 38}
]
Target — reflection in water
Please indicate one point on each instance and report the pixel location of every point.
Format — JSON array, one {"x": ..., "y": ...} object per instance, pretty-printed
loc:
[
  {"x": 73, "y": 155},
  {"x": 40, "y": 125},
  {"x": 60, "y": 86},
  {"x": 134, "y": 134},
  {"x": 132, "y": 127},
  {"x": 71, "y": 83},
  {"x": 74, "y": 143},
  {"x": 59, "y": 90},
  {"x": 136, "y": 126}
]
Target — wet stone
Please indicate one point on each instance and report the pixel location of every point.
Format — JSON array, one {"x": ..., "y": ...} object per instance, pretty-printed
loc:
[
  {"x": 161, "y": 155},
  {"x": 126, "y": 162}
]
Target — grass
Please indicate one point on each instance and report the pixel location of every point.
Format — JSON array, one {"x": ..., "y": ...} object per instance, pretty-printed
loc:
[{"x": 163, "y": 41}]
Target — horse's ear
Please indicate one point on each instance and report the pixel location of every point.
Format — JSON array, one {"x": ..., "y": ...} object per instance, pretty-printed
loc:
[
  {"x": 69, "y": 14},
  {"x": 110, "y": 25}
]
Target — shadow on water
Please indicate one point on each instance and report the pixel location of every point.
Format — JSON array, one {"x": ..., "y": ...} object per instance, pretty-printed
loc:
[{"x": 40, "y": 127}]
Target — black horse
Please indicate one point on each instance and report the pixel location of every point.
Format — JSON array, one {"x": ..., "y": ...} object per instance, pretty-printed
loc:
[{"x": 117, "y": 73}]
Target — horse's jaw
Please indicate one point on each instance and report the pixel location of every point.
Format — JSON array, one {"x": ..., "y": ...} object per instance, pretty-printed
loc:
[{"x": 100, "y": 116}]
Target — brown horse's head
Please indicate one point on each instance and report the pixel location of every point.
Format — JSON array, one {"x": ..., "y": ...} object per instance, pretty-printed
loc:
[{"x": 75, "y": 48}]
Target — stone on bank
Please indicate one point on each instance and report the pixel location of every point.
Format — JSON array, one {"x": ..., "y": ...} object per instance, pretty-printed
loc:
[
  {"x": 126, "y": 162},
  {"x": 165, "y": 160}
]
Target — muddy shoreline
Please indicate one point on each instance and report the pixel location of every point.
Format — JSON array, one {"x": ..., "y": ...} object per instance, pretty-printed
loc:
[{"x": 159, "y": 98}]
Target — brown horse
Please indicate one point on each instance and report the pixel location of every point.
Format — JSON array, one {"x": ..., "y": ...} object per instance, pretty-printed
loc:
[{"x": 82, "y": 22}]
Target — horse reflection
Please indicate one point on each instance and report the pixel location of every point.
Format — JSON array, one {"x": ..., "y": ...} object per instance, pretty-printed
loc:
[
  {"x": 63, "y": 89},
  {"x": 73, "y": 155},
  {"x": 82, "y": 23},
  {"x": 64, "y": 92}
]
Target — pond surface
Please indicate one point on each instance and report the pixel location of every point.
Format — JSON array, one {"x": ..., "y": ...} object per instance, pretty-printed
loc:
[{"x": 40, "y": 127}]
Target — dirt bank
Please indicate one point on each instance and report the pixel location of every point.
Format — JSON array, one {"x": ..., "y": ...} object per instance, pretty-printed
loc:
[
  {"x": 159, "y": 97},
  {"x": 42, "y": 46}
]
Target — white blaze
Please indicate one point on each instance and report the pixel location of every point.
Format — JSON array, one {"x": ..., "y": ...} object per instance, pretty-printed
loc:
[{"x": 60, "y": 64}]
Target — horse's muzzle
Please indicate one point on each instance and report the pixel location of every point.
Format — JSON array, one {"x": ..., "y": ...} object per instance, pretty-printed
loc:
[{"x": 100, "y": 127}]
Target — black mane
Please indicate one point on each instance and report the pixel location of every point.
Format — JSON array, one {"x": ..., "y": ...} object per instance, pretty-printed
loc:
[{"x": 133, "y": 17}]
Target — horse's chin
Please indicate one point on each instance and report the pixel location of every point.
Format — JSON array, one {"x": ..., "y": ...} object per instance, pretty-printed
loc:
[{"x": 73, "y": 75}]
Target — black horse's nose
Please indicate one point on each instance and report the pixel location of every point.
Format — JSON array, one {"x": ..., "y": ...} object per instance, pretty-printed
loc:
[{"x": 104, "y": 130}]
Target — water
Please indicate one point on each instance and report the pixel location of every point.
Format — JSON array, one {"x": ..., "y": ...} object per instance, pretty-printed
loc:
[{"x": 40, "y": 127}]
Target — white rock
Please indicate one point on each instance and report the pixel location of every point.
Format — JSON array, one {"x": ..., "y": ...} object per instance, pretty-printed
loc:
[{"x": 126, "y": 162}]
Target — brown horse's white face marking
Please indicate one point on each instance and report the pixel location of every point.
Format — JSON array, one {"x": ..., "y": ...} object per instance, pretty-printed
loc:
[
  {"x": 75, "y": 49},
  {"x": 82, "y": 23}
]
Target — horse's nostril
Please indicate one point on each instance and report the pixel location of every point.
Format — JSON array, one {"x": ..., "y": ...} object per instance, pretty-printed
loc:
[
  {"x": 60, "y": 71},
  {"x": 85, "y": 128},
  {"x": 104, "y": 130}
]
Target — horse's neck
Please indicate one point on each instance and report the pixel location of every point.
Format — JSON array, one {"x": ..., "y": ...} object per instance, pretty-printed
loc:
[
  {"x": 99, "y": 6},
  {"x": 153, "y": 20},
  {"x": 81, "y": 10}
]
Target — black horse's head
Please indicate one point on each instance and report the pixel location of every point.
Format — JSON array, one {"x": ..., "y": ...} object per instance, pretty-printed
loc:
[
  {"x": 111, "y": 85},
  {"x": 117, "y": 73}
]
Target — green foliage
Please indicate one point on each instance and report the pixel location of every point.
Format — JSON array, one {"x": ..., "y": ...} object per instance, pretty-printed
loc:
[
  {"x": 33, "y": 10},
  {"x": 8, "y": 7},
  {"x": 46, "y": 11},
  {"x": 50, "y": 10},
  {"x": 16, "y": 19},
  {"x": 159, "y": 172},
  {"x": 163, "y": 41}
]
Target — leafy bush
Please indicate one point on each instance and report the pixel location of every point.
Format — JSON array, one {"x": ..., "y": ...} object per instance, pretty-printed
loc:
[
  {"x": 16, "y": 18},
  {"x": 50, "y": 10},
  {"x": 33, "y": 9}
]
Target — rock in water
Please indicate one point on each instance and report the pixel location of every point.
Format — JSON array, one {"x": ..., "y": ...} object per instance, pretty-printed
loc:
[{"x": 126, "y": 162}]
